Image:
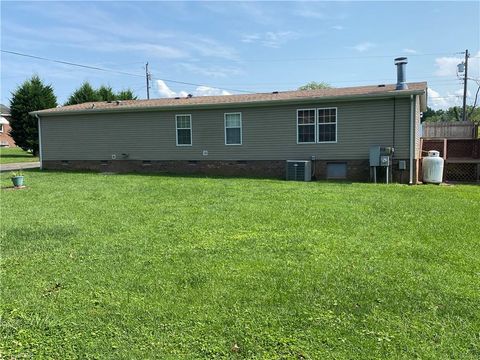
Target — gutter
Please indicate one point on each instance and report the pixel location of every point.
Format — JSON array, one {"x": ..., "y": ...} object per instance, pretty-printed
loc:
[
  {"x": 39, "y": 141},
  {"x": 412, "y": 129},
  {"x": 224, "y": 105}
]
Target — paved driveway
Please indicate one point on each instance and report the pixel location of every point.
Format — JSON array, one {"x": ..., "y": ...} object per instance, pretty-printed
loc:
[{"x": 19, "y": 166}]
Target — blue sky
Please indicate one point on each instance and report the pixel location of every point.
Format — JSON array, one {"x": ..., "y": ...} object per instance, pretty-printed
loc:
[{"x": 248, "y": 46}]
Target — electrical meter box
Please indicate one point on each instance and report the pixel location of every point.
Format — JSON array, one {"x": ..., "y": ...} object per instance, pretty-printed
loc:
[
  {"x": 375, "y": 155},
  {"x": 380, "y": 155},
  {"x": 384, "y": 160}
]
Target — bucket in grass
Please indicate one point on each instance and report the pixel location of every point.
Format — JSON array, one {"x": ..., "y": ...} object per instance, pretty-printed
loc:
[{"x": 17, "y": 179}]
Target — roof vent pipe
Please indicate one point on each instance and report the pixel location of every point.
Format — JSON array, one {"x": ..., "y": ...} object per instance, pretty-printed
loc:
[{"x": 401, "y": 63}]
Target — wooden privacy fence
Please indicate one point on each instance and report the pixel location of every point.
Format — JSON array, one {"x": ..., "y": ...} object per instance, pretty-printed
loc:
[
  {"x": 462, "y": 157},
  {"x": 450, "y": 130}
]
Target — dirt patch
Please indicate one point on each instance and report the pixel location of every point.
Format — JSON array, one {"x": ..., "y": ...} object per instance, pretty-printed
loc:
[{"x": 14, "y": 187}]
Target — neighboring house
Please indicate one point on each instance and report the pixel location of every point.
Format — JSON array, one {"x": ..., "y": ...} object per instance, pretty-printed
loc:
[
  {"x": 246, "y": 135},
  {"x": 5, "y": 138}
]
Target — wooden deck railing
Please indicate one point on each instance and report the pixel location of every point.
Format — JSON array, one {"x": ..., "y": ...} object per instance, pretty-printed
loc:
[
  {"x": 453, "y": 148},
  {"x": 462, "y": 157}
]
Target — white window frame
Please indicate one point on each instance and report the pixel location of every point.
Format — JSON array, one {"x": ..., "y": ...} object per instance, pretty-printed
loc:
[
  {"x": 225, "y": 127},
  {"x": 1, "y": 128},
  {"x": 317, "y": 134},
  {"x": 314, "y": 125},
  {"x": 177, "y": 128}
]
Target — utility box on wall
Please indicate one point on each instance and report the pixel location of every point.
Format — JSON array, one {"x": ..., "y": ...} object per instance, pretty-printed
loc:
[
  {"x": 381, "y": 156},
  {"x": 375, "y": 155},
  {"x": 384, "y": 160}
]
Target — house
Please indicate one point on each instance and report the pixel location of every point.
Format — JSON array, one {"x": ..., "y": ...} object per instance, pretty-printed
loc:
[
  {"x": 5, "y": 139},
  {"x": 244, "y": 135}
]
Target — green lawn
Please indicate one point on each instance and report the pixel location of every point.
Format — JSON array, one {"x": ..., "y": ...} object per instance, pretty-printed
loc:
[
  {"x": 15, "y": 155},
  {"x": 98, "y": 266}
]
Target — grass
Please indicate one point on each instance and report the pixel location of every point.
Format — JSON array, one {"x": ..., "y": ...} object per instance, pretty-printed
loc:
[
  {"x": 15, "y": 155},
  {"x": 101, "y": 266}
]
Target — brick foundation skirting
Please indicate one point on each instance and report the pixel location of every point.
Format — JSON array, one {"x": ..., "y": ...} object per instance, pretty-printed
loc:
[{"x": 357, "y": 170}]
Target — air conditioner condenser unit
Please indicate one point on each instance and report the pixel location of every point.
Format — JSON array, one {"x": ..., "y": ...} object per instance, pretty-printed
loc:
[{"x": 299, "y": 170}]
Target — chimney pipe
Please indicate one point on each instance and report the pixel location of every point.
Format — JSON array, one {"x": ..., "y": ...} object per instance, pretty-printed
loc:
[{"x": 401, "y": 63}]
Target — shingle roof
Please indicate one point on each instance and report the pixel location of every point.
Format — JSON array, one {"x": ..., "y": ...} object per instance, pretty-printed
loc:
[
  {"x": 333, "y": 93},
  {"x": 5, "y": 110}
]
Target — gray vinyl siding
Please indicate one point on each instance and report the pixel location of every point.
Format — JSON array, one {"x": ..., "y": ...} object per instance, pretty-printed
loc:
[{"x": 269, "y": 133}]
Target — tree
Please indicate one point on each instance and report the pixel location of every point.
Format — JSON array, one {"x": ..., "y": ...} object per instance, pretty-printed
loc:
[
  {"x": 453, "y": 113},
  {"x": 126, "y": 95},
  {"x": 432, "y": 115},
  {"x": 32, "y": 95},
  {"x": 85, "y": 93},
  {"x": 105, "y": 93},
  {"x": 313, "y": 85}
]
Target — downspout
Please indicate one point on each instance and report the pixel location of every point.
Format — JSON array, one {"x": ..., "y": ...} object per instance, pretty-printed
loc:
[
  {"x": 393, "y": 133},
  {"x": 412, "y": 138},
  {"x": 39, "y": 141},
  {"x": 394, "y": 121}
]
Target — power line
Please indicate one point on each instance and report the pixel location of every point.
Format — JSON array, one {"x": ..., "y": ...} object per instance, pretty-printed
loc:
[
  {"x": 139, "y": 88},
  {"x": 70, "y": 63},
  {"x": 342, "y": 57},
  {"x": 221, "y": 87},
  {"x": 110, "y": 70},
  {"x": 390, "y": 80}
]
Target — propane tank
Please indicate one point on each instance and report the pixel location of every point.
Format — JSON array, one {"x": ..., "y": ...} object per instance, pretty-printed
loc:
[{"x": 432, "y": 168}]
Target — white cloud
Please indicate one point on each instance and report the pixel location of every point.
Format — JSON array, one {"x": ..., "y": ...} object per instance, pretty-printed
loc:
[
  {"x": 160, "y": 51},
  {"x": 274, "y": 39},
  {"x": 338, "y": 27},
  {"x": 209, "y": 91},
  {"x": 364, "y": 46},
  {"x": 255, "y": 12},
  {"x": 211, "y": 48},
  {"x": 409, "y": 51},
  {"x": 92, "y": 29},
  {"x": 447, "y": 66},
  {"x": 165, "y": 92},
  {"x": 84, "y": 38},
  {"x": 91, "y": 17},
  {"x": 311, "y": 14},
  {"x": 213, "y": 71},
  {"x": 271, "y": 39},
  {"x": 438, "y": 101},
  {"x": 250, "y": 38}
]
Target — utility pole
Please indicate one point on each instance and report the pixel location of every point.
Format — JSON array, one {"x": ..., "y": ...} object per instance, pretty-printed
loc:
[
  {"x": 464, "y": 114},
  {"x": 147, "y": 76}
]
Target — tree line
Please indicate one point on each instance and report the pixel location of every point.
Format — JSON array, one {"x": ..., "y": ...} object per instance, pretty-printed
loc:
[
  {"x": 453, "y": 113},
  {"x": 34, "y": 95}
]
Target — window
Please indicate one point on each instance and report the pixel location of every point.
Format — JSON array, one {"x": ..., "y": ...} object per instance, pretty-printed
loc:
[
  {"x": 316, "y": 125},
  {"x": 1, "y": 128},
  {"x": 306, "y": 126},
  {"x": 184, "y": 130},
  {"x": 233, "y": 129},
  {"x": 327, "y": 125}
]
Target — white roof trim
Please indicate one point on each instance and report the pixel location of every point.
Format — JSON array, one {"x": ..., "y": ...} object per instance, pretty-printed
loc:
[{"x": 3, "y": 121}]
